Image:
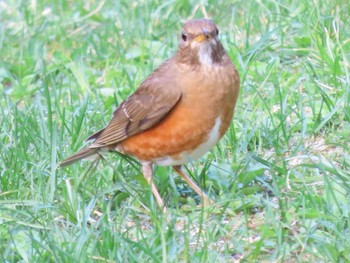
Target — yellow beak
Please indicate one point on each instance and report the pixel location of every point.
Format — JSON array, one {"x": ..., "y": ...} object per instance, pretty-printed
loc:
[{"x": 202, "y": 37}]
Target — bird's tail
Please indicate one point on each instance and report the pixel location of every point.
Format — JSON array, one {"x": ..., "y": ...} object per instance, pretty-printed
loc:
[{"x": 85, "y": 153}]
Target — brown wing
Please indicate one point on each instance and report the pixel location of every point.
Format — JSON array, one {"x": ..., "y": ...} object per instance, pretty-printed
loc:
[{"x": 152, "y": 101}]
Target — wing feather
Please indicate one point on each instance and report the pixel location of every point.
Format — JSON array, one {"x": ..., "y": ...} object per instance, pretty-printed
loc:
[{"x": 151, "y": 102}]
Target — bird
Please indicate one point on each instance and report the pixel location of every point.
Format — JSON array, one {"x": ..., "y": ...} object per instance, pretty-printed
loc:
[{"x": 178, "y": 113}]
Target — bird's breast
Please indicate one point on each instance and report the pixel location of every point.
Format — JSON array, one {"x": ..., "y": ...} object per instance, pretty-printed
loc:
[{"x": 183, "y": 157}]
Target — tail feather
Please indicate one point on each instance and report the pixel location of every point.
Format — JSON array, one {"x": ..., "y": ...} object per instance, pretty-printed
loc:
[{"x": 85, "y": 153}]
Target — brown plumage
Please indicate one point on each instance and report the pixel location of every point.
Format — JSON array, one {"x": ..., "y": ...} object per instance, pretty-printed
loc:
[{"x": 178, "y": 112}]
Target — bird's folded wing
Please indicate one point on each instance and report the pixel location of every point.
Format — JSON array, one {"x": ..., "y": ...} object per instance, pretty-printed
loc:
[{"x": 153, "y": 100}]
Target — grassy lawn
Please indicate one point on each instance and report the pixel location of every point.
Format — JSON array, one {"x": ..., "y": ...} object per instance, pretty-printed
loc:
[{"x": 280, "y": 177}]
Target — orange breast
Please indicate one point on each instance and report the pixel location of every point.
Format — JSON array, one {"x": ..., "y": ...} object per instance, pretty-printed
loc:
[{"x": 188, "y": 124}]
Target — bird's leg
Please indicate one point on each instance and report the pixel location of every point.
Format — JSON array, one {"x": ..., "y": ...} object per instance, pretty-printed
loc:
[
  {"x": 147, "y": 173},
  {"x": 195, "y": 187}
]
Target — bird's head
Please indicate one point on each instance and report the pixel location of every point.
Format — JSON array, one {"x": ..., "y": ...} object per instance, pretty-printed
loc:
[{"x": 200, "y": 44}]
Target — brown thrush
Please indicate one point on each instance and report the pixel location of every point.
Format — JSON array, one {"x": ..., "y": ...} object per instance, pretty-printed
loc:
[{"x": 179, "y": 112}]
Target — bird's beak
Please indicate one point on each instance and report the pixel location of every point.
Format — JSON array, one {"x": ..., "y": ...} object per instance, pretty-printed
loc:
[{"x": 205, "y": 35}]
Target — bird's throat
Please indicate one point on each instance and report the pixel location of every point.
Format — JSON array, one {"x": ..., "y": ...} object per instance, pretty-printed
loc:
[{"x": 205, "y": 53}]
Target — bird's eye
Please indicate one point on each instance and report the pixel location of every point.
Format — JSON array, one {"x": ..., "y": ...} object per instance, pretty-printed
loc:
[
  {"x": 217, "y": 32},
  {"x": 184, "y": 36}
]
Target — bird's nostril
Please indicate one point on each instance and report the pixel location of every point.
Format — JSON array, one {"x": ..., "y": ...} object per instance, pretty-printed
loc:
[{"x": 206, "y": 32}]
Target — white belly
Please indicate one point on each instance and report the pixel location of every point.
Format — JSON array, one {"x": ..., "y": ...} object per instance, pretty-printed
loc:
[{"x": 186, "y": 157}]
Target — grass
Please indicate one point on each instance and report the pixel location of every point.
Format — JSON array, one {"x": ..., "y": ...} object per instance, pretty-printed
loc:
[{"x": 280, "y": 176}]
